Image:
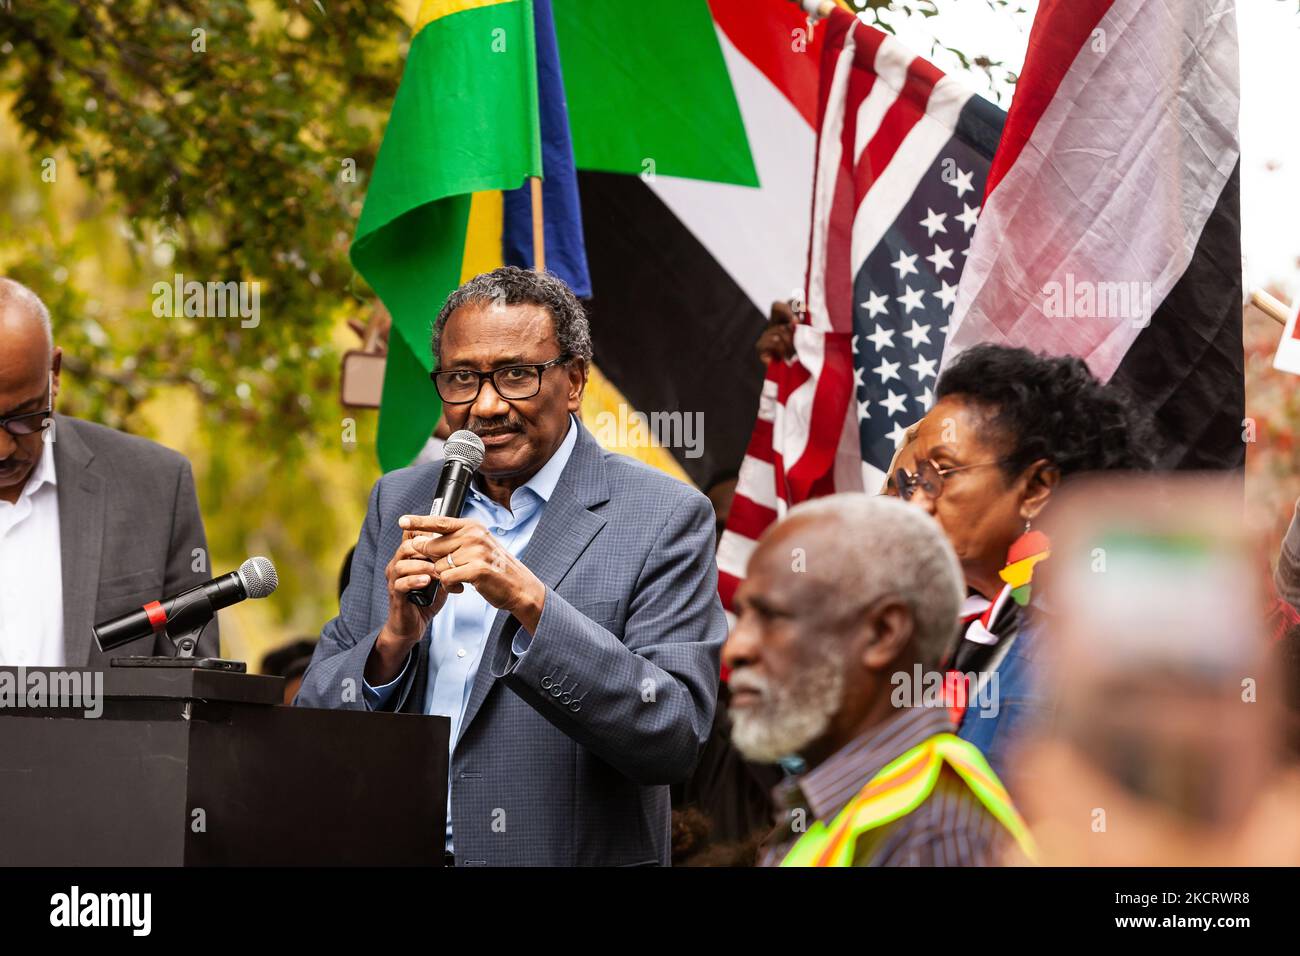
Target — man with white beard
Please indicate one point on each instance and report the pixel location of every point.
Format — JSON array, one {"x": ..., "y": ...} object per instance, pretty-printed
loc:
[{"x": 844, "y": 602}]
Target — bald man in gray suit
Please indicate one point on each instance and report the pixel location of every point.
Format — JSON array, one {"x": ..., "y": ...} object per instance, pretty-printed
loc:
[{"x": 93, "y": 522}]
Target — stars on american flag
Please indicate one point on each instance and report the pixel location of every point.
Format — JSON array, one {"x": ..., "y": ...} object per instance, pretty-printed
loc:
[
  {"x": 887, "y": 370},
  {"x": 906, "y": 265},
  {"x": 946, "y": 295},
  {"x": 881, "y": 338},
  {"x": 911, "y": 299},
  {"x": 969, "y": 216},
  {"x": 962, "y": 182},
  {"x": 905, "y": 306},
  {"x": 942, "y": 258},
  {"x": 894, "y": 403},
  {"x": 917, "y": 334},
  {"x": 897, "y": 433},
  {"x": 925, "y": 368},
  {"x": 934, "y": 222},
  {"x": 875, "y": 305}
]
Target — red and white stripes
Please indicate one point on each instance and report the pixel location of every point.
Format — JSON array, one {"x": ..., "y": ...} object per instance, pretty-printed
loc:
[{"x": 876, "y": 138}]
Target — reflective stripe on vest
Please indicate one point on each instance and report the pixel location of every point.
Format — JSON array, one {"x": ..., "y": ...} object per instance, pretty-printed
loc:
[{"x": 898, "y": 789}]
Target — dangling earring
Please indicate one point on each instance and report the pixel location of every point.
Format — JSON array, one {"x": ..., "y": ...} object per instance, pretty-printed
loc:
[{"x": 1023, "y": 555}]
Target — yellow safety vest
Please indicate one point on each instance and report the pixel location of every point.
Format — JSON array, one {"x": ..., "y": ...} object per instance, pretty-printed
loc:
[{"x": 897, "y": 790}]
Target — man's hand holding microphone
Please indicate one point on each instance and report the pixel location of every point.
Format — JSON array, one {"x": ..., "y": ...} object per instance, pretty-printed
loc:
[{"x": 440, "y": 553}]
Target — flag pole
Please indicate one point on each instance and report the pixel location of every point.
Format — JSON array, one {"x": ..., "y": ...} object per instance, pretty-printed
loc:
[
  {"x": 539, "y": 227},
  {"x": 1273, "y": 308}
]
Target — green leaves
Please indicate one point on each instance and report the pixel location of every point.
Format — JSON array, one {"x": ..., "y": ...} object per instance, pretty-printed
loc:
[
  {"x": 216, "y": 155},
  {"x": 233, "y": 147}
]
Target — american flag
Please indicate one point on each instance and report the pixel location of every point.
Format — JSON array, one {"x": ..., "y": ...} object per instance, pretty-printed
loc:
[{"x": 903, "y": 152}]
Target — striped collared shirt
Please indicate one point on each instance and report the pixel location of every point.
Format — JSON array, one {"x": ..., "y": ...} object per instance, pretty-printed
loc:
[{"x": 951, "y": 828}]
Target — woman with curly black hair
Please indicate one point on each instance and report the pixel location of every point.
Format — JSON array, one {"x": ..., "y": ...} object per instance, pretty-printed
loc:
[{"x": 1006, "y": 428}]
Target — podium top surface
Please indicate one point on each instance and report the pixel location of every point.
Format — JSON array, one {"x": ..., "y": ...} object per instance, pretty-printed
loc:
[{"x": 175, "y": 683}]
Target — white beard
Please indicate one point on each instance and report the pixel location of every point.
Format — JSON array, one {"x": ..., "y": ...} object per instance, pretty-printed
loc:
[{"x": 788, "y": 716}]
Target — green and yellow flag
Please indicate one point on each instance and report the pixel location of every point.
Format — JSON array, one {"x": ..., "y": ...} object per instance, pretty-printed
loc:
[{"x": 465, "y": 120}]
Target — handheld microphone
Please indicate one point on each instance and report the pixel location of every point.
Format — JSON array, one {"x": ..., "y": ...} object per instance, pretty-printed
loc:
[
  {"x": 463, "y": 453},
  {"x": 256, "y": 578}
]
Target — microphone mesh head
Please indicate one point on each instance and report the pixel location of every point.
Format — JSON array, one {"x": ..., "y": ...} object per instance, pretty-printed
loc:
[
  {"x": 465, "y": 447},
  {"x": 258, "y": 577}
]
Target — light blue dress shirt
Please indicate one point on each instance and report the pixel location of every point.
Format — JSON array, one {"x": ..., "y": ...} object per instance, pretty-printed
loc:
[{"x": 460, "y": 630}]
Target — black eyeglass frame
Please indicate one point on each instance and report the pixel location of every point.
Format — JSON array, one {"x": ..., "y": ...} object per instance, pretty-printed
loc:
[
  {"x": 483, "y": 376},
  {"x": 46, "y": 414}
]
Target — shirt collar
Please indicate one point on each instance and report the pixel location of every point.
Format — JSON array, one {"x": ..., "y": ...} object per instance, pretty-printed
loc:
[
  {"x": 543, "y": 483},
  {"x": 43, "y": 473},
  {"x": 830, "y": 786}
]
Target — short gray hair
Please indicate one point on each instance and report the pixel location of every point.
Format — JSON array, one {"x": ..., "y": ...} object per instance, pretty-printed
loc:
[
  {"x": 883, "y": 546},
  {"x": 510, "y": 285},
  {"x": 14, "y": 293}
]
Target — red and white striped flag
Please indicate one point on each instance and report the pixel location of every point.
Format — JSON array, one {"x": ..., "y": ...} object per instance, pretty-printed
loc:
[
  {"x": 1111, "y": 228},
  {"x": 902, "y": 153}
]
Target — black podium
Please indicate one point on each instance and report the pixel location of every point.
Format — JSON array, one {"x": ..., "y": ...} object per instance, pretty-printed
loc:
[{"x": 193, "y": 767}]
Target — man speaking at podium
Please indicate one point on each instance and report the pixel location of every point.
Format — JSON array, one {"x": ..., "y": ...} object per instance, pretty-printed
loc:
[{"x": 575, "y": 638}]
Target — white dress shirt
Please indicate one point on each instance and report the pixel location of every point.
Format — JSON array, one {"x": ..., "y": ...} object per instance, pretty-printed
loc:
[{"x": 31, "y": 573}]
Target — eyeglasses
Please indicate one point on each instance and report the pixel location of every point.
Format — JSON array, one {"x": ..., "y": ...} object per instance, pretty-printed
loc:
[
  {"x": 928, "y": 478},
  {"x": 29, "y": 423},
  {"x": 514, "y": 382}
]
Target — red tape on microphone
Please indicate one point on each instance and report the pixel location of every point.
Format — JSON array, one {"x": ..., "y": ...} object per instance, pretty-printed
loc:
[{"x": 157, "y": 615}]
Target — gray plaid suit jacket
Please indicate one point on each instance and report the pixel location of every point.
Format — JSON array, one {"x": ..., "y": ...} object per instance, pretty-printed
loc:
[{"x": 565, "y": 754}]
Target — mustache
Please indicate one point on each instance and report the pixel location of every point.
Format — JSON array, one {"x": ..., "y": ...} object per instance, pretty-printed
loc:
[
  {"x": 501, "y": 425},
  {"x": 745, "y": 681}
]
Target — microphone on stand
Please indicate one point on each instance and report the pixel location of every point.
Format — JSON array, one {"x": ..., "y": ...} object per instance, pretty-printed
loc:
[
  {"x": 463, "y": 454},
  {"x": 190, "y": 610}
]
